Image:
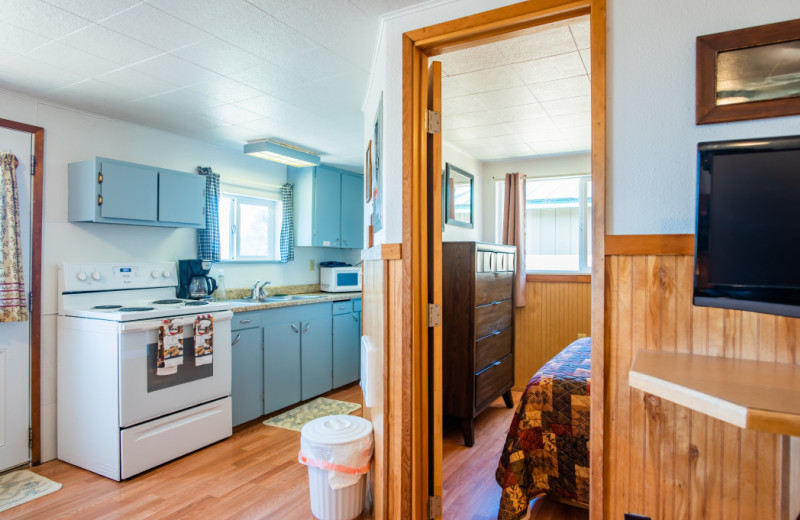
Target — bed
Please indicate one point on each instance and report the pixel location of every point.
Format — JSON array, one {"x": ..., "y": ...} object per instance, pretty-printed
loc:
[{"x": 547, "y": 447}]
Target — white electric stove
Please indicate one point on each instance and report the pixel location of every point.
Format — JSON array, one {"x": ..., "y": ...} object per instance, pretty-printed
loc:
[{"x": 117, "y": 416}]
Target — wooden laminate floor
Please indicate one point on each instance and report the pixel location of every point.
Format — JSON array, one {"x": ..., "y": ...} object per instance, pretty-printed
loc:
[{"x": 255, "y": 475}]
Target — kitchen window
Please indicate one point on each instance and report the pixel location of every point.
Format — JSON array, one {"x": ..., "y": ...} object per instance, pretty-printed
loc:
[
  {"x": 249, "y": 228},
  {"x": 558, "y": 223}
]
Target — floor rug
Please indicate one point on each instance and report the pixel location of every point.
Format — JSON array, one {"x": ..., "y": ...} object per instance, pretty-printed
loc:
[
  {"x": 295, "y": 418},
  {"x": 23, "y": 486}
]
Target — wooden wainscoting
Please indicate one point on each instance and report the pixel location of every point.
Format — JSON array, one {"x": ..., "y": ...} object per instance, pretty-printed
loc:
[
  {"x": 555, "y": 313},
  {"x": 663, "y": 460}
]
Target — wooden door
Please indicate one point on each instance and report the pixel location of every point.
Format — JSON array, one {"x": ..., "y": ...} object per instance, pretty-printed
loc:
[{"x": 434, "y": 174}]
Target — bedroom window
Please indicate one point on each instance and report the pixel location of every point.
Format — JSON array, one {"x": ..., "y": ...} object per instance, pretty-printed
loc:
[
  {"x": 558, "y": 224},
  {"x": 249, "y": 228}
]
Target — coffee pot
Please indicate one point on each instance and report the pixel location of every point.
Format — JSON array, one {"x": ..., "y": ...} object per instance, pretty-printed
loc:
[
  {"x": 193, "y": 279},
  {"x": 201, "y": 287}
]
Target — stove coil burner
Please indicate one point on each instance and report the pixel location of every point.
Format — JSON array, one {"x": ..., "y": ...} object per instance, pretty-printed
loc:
[
  {"x": 196, "y": 303},
  {"x": 167, "y": 302},
  {"x": 106, "y": 307},
  {"x": 135, "y": 309}
]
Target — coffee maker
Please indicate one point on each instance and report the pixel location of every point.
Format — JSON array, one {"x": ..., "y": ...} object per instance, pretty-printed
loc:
[{"x": 194, "y": 282}]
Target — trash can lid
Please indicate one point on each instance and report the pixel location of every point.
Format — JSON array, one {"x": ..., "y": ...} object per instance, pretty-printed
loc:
[{"x": 336, "y": 429}]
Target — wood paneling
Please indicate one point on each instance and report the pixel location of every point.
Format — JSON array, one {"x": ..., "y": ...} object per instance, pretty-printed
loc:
[
  {"x": 649, "y": 244},
  {"x": 555, "y": 313},
  {"x": 663, "y": 460}
]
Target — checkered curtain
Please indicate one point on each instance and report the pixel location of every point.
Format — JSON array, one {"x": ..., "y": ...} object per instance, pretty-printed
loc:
[
  {"x": 208, "y": 238},
  {"x": 287, "y": 223}
]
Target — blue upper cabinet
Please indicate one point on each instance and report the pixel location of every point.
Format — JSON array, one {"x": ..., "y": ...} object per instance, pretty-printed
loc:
[
  {"x": 328, "y": 207},
  {"x": 116, "y": 192}
]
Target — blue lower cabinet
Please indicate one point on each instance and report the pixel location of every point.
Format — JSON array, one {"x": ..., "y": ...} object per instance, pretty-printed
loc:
[
  {"x": 246, "y": 386},
  {"x": 346, "y": 348},
  {"x": 281, "y": 365},
  {"x": 316, "y": 356}
]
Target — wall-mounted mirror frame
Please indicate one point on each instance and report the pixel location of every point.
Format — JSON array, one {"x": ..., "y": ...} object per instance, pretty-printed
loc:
[{"x": 459, "y": 183}]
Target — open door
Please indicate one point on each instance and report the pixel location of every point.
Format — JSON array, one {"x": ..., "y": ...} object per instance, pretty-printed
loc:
[{"x": 434, "y": 175}]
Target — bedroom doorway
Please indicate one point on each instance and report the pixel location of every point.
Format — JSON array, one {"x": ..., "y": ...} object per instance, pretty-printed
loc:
[{"x": 425, "y": 183}]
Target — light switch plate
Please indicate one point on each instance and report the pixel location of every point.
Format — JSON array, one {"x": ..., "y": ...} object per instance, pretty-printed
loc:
[{"x": 311, "y": 264}]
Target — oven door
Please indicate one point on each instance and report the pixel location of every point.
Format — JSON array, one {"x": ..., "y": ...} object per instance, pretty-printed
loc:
[{"x": 145, "y": 395}]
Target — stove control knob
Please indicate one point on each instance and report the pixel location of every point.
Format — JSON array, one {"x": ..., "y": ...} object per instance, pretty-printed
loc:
[
  {"x": 155, "y": 274},
  {"x": 81, "y": 276},
  {"x": 96, "y": 276},
  {"x": 166, "y": 274}
]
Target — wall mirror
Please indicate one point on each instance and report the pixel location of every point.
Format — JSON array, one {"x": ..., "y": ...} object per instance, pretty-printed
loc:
[{"x": 459, "y": 196}]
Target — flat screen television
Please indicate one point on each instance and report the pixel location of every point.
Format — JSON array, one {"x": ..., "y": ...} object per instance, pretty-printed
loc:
[{"x": 747, "y": 235}]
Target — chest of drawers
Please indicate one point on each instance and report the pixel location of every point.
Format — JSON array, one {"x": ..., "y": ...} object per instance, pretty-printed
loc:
[{"x": 477, "y": 329}]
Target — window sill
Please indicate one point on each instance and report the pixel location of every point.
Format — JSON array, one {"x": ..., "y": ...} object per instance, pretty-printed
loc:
[
  {"x": 558, "y": 277},
  {"x": 236, "y": 262}
]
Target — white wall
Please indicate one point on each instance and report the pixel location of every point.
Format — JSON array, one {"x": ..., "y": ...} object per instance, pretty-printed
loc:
[
  {"x": 456, "y": 157},
  {"x": 550, "y": 166},
  {"x": 650, "y": 102},
  {"x": 71, "y": 136}
]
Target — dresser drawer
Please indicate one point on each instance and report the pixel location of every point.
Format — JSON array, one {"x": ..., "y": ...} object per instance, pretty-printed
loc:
[
  {"x": 493, "y": 287},
  {"x": 493, "y": 347},
  {"x": 493, "y": 381},
  {"x": 493, "y": 317}
]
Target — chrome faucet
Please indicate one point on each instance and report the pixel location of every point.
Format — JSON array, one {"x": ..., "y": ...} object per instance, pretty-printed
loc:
[
  {"x": 254, "y": 291},
  {"x": 261, "y": 293}
]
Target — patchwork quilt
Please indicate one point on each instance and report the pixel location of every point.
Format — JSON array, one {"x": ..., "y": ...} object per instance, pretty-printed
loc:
[{"x": 547, "y": 447}]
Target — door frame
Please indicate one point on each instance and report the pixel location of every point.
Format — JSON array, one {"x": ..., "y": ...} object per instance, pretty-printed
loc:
[
  {"x": 418, "y": 46},
  {"x": 36, "y": 282}
]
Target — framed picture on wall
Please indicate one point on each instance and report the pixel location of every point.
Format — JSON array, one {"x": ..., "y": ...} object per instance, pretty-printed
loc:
[
  {"x": 749, "y": 73},
  {"x": 377, "y": 165},
  {"x": 368, "y": 173}
]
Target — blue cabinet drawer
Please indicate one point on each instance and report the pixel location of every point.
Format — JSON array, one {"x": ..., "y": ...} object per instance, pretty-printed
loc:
[
  {"x": 245, "y": 320},
  {"x": 343, "y": 307}
]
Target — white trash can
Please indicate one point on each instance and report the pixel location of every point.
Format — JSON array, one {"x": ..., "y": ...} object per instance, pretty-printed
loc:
[{"x": 337, "y": 450}]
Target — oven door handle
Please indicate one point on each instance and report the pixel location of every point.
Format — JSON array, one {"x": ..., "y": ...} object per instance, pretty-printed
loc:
[{"x": 137, "y": 326}]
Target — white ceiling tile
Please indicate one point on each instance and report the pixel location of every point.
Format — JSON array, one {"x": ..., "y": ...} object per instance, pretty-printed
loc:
[
  {"x": 561, "y": 88},
  {"x": 555, "y": 147},
  {"x": 521, "y": 112},
  {"x": 6, "y": 55},
  {"x": 225, "y": 89},
  {"x": 541, "y": 44},
  {"x": 378, "y": 7},
  {"x": 273, "y": 6},
  {"x": 476, "y": 132},
  {"x": 357, "y": 50},
  {"x": 320, "y": 63},
  {"x": 324, "y": 21},
  {"x": 266, "y": 106},
  {"x": 551, "y": 68},
  {"x": 580, "y": 31},
  {"x": 485, "y": 117},
  {"x": 217, "y": 55},
  {"x": 92, "y": 9},
  {"x": 110, "y": 45},
  {"x": 268, "y": 78},
  {"x": 586, "y": 58},
  {"x": 41, "y": 18},
  {"x": 470, "y": 60},
  {"x": 92, "y": 95},
  {"x": 541, "y": 125},
  {"x": 572, "y": 120},
  {"x": 568, "y": 105},
  {"x": 269, "y": 39},
  {"x": 174, "y": 70},
  {"x": 72, "y": 59},
  {"x": 507, "y": 97},
  {"x": 464, "y": 104},
  {"x": 494, "y": 142},
  {"x": 480, "y": 81},
  {"x": 23, "y": 74},
  {"x": 19, "y": 40},
  {"x": 177, "y": 100},
  {"x": 153, "y": 27},
  {"x": 213, "y": 16},
  {"x": 578, "y": 133},
  {"x": 142, "y": 84},
  {"x": 233, "y": 115}
]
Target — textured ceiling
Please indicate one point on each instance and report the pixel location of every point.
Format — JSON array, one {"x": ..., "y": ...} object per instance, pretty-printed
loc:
[
  {"x": 520, "y": 97},
  {"x": 221, "y": 71}
]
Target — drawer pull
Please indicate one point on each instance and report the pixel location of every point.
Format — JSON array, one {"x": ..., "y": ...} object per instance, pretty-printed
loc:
[
  {"x": 308, "y": 326},
  {"x": 238, "y": 337},
  {"x": 355, "y": 318},
  {"x": 244, "y": 321},
  {"x": 294, "y": 328}
]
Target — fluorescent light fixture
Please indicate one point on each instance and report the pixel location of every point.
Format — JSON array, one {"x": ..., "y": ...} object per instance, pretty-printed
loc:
[{"x": 282, "y": 153}]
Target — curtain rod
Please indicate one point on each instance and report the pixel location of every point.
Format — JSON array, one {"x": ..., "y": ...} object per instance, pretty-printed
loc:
[
  {"x": 565, "y": 176},
  {"x": 252, "y": 186}
]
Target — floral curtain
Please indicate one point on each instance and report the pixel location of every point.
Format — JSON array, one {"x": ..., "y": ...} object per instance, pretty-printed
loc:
[
  {"x": 13, "y": 304},
  {"x": 208, "y": 238},
  {"x": 287, "y": 223}
]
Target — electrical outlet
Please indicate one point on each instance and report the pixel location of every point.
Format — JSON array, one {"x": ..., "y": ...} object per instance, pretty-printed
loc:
[
  {"x": 631, "y": 516},
  {"x": 311, "y": 264}
]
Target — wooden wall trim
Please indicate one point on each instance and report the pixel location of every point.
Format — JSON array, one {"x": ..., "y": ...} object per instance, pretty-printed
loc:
[
  {"x": 383, "y": 252},
  {"x": 649, "y": 245},
  {"x": 570, "y": 278}
]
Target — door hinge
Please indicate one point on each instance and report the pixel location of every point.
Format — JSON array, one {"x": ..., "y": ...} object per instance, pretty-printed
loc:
[
  {"x": 30, "y": 302},
  {"x": 30, "y": 438},
  {"x": 434, "y": 315},
  {"x": 99, "y": 178},
  {"x": 433, "y": 121},
  {"x": 33, "y": 165},
  {"x": 434, "y": 507}
]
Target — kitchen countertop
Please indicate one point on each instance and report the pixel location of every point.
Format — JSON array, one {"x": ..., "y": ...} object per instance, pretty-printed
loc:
[{"x": 247, "y": 306}]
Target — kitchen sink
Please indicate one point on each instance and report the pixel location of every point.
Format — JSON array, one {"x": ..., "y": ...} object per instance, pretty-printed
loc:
[{"x": 305, "y": 296}]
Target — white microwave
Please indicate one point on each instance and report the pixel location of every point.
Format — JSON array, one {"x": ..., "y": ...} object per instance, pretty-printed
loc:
[{"x": 340, "y": 279}]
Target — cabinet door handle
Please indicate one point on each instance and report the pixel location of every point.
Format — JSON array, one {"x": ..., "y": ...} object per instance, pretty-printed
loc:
[
  {"x": 244, "y": 321},
  {"x": 355, "y": 318},
  {"x": 308, "y": 326},
  {"x": 238, "y": 337},
  {"x": 294, "y": 328}
]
